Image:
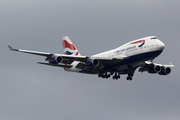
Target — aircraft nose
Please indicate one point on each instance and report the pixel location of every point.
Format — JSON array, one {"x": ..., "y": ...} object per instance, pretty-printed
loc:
[{"x": 161, "y": 46}]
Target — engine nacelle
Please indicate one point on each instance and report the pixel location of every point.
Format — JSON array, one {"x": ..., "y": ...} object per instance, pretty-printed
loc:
[
  {"x": 92, "y": 62},
  {"x": 165, "y": 71},
  {"x": 154, "y": 69},
  {"x": 56, "y": 60}
]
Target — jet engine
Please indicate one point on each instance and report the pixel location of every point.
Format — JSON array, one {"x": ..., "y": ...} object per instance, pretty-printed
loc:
[
  {"x": 165, "y": 71},
  {"x": 56, "y": 60},
  {"x": 92, "y": 62},
  {"x": 154, "y": 69}
]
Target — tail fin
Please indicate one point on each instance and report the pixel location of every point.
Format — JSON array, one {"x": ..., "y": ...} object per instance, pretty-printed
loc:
[{"x": 69, "y": 48}]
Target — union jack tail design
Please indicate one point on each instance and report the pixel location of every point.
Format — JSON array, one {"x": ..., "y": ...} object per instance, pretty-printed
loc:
[{"x": 69, "y": 48}]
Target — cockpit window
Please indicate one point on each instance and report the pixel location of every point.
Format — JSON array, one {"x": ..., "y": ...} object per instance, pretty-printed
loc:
[{"x": 154, "y": 38}]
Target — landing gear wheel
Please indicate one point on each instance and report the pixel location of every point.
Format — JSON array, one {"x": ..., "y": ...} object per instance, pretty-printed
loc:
[
  {"x": 118, "y": 77},
  {"x": 129, "y": 78},
  {"x": 109, "y": 75},
  {"x": 103, "y": 76},
  {"x": 130, "y": 75}
]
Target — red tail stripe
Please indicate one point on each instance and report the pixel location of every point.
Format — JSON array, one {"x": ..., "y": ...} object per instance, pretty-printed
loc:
[
  {"x": 77, "y": 53},
  {"x": 138, "y": 41},
  {"x": 68, "y": 45}
]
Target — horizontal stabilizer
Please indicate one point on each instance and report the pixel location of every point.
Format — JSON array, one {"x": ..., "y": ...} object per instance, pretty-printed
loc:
[{"x": 56, "y": 65}]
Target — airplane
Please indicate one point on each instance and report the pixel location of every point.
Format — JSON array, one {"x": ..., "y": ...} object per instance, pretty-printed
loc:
[{"x": 125, "y": 59}]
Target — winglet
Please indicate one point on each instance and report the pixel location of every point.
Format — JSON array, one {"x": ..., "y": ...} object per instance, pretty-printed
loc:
[
  {"x": 12, "y": 49},
  {"x": 171, "y": 64}
]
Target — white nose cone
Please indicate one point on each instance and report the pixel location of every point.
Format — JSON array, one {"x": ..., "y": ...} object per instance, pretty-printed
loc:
[{"x": 161, "y": 45}]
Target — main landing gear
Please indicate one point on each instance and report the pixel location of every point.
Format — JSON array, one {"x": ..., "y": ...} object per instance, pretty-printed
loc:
[
  {"x": 130, "y": 75},
  {"x": 116, "y": 75},
  {"x": 104, "y": 75},
  {"x": 108, "y": 75}
]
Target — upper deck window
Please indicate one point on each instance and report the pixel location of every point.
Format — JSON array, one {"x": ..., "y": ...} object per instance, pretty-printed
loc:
[{"x": 154, "y": 38}]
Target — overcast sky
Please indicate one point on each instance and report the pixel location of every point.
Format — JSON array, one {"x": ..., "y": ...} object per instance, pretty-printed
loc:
[{"x": 29, "y": 91}]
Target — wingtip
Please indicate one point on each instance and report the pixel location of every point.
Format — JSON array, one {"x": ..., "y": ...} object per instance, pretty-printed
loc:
[
  {"x": 11, "y": 48},
  {"x": 171, "y": 64}
]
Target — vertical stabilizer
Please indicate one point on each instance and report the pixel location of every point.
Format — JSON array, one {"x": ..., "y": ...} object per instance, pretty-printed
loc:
[{"x": 69, "y": 48}]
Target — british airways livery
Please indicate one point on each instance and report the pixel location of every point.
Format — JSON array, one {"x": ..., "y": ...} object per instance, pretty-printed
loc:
[{"x": 122, "y": 60}]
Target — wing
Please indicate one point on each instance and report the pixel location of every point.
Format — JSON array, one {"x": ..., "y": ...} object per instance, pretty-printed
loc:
[
  {"x": 147, "y": 63},
  {"x": 30, "y": 52},
  {"x": 50, "y": 55},
  {"x": 66, "y": 60},
  {"x": 156, "y": 68},
  {"x": 56, "y": 65}
]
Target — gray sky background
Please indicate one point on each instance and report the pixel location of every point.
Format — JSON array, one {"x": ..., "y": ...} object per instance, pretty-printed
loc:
[{"x": 29, "y": 91}]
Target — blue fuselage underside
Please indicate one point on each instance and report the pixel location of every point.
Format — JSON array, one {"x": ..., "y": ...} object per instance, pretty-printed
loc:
[{"x": 130, "y": 60}]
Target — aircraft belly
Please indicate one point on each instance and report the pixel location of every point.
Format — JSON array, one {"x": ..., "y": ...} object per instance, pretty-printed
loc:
[
  {"x": 130, "y": 60},
  {"x": 140, "y": 57},
  {"x": 88, "y": 72}
]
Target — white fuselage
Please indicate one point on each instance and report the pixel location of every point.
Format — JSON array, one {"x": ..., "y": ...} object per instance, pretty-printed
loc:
[
  {"x": 137, "y": 50},
  {"x": 129, "y": 49}
]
